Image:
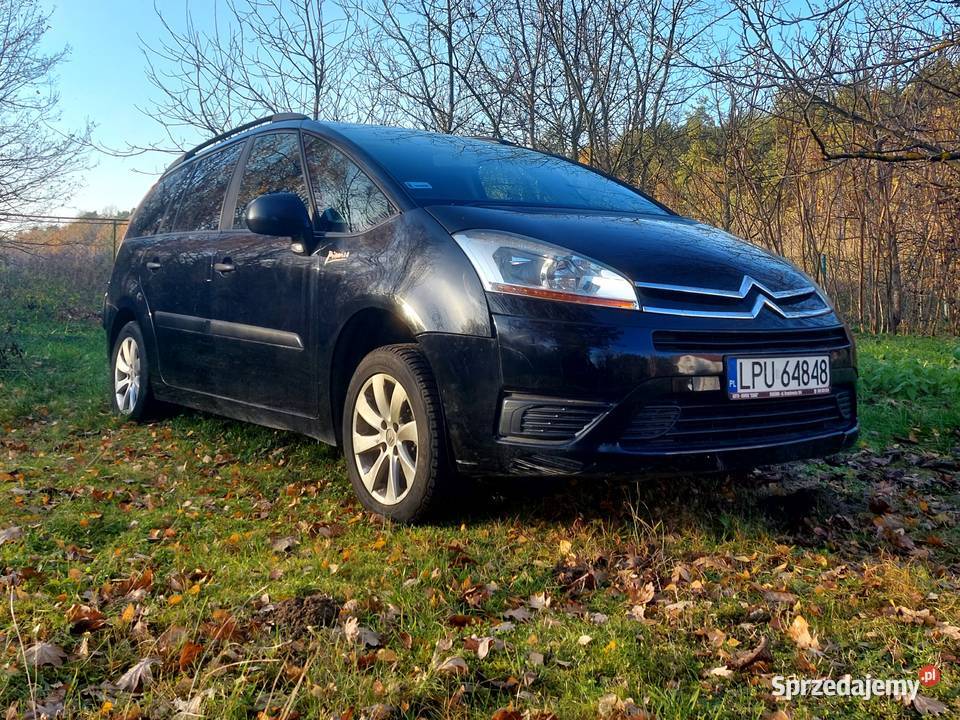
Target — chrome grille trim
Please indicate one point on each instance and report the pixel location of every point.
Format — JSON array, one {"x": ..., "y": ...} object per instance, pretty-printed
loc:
[
  {"x": 761, "y": 302},
  {"x": 746, "y": 286}
]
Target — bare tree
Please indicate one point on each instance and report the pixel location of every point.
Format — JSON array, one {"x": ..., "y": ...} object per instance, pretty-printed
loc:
[
  {"x": 872, "y": 69},
  {"x": 422, "y": 61},
  {"x": 38, "y": 162},
  {"x": 259, "y": 57}
]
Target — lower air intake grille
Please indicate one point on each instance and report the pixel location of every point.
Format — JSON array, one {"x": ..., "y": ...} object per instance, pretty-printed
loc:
[
  {"x": 555, "y": 422},
  {"x": 712, "y": 420},
  {"x": 746, "y": 341}
]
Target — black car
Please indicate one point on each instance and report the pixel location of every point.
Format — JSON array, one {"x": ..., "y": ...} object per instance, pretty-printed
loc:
[{"x": 444, "y": 306}]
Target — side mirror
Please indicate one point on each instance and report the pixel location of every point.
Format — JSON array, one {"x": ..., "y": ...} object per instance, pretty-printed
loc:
[{"x": 282, "y": 214}]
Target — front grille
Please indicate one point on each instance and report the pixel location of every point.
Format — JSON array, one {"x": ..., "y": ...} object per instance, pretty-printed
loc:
[
  {"x": 737, "y": 342},
  {"x": 702, "y": 420},
  {"x": 556, "y": 422}
]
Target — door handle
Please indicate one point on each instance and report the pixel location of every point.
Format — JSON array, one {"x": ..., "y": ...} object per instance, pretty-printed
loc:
[
  {"x": 225, "y": 266},
  {"x": 153, "y": 264}
]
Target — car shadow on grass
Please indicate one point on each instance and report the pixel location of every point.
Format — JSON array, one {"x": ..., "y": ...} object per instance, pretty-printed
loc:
[{"x": 856, "y": 506}]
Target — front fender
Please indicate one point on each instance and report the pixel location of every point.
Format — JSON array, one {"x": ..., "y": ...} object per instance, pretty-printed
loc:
[{"x": 411, "y": 267}]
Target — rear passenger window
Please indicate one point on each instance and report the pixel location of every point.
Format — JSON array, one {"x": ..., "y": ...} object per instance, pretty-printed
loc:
[
  {"x": 149, "y": 216},
  {"x": 203, "y": 198},
  {"x": 178, "y": 181},
  {"x": 346, "y": 198},
  {"x": 272, "y": 166}
]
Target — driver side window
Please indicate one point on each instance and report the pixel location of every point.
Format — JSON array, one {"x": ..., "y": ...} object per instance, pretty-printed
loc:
[
  {"x": 272, "y": 166},
  {"x": 347, "y": 200}
]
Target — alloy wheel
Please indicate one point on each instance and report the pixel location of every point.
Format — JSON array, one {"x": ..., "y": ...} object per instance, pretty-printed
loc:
[
  {"x": 126, "y": 375},
  {"x": 385, "y": 439}
]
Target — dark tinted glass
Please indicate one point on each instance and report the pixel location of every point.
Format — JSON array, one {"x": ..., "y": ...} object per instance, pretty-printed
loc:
[
  {"x": 272, "y": 166},
  {"x": 346, "y": 198},
  {"x": 449, "y": 169},
  {"x": 150, "y": 215},
  {"x": 203, "y": 199},
  {"x": 178, "y": 181}
]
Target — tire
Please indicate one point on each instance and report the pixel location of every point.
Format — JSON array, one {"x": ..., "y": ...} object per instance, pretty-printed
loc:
[
  {"x": 129, "y": 362},
  {"x": 384, "y": 432}
]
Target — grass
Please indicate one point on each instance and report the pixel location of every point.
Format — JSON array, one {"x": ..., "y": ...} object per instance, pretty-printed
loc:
[{"x": 194, "y": 538}]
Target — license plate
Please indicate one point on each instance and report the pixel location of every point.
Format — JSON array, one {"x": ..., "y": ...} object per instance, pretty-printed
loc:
[{"x": 766, "y": 377}]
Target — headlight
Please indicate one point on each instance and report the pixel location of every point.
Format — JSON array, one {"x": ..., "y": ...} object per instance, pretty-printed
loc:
[{"x": 518, "y": 265}]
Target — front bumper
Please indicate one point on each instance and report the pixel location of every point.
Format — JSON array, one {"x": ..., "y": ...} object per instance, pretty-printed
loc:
[{"x": 561, "y": 396}]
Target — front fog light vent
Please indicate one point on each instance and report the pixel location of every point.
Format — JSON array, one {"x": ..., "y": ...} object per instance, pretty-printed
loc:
[
  {"x": 553, "y": 420},
  {"x": 651, "y": 422}
]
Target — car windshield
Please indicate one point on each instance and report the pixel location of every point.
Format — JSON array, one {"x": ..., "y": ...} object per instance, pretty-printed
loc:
[{"x": 446, "y": 169}]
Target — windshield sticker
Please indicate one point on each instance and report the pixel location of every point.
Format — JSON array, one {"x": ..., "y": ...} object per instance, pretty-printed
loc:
[{"x": 418, "y": 185}]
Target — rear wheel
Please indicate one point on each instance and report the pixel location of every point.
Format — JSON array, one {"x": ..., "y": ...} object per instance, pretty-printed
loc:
[
  {"x": 393, "y": 434},
  {"x": 130, "y": 374}
]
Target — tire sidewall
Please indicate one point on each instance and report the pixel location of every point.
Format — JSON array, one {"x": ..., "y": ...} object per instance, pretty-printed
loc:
[
  {"x": 131, "y": 330},
  {"x": 429, "y": 430}
]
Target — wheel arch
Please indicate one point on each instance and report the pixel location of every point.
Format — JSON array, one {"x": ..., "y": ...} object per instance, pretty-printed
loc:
[
  {"x": 123, "y": 315},
  {"x": 365, "y": 331}
]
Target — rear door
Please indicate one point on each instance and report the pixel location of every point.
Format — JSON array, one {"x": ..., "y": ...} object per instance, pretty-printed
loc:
[
  {"x": 173, "y": 274},
  {"x": 263, "y": 293},
  {"x": 188, "y": 351}
]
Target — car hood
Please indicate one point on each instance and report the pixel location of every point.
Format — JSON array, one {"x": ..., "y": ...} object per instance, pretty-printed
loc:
[{"x": 648, "y": 249}]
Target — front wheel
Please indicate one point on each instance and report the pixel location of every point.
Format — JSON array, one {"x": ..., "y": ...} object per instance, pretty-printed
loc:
[
  {"x": 393, "y": 434},
  {"x": 130, "y": 374}
]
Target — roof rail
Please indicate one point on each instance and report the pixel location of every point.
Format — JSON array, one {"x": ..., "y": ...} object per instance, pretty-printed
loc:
[
  {"x": 490, "y": 138},
  {"x": 276, "y": 117}
]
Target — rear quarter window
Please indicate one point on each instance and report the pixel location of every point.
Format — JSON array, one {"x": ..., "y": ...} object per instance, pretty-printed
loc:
[
  {"x": 149, "y": 218},
  {"x": 203, "y": 198}
]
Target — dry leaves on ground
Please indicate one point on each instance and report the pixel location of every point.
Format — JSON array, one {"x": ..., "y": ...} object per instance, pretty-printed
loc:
[
  {"x": 44, "y": 653},
  {"x": 799, "y": 632},
  {"x": 138, "y": 677}
]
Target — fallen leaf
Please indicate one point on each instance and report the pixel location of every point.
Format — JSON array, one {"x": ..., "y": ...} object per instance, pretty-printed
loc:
[
  {"x": 643, "y": 595},
  {"x": 356, "y": 633},
  {"x": 192, "y": 708},
  {"x": 929, "y": 706},
  {"x": 520, "y": 614},
  {"x": 453, "y": 666},
  {"x": 284, "y": 544},
  {"x": 612, "y": 707},
  {"x": 539, "y": 601},
  {"x": 378, "y": 712},
  {"x": 775, "y": 596},
  {"x": 482, "y": 646},
  {"x": 747, "y": 657},
  {"x": 584, "y": 640},
  {"x": 44, "y": 653},
  {"x": 50, "y": 707},
  {"x": 83, "y": 618},
  {"x": 507, "y": 714},
  {"x": 137, "y": 677},
  {"x": 723, "y": 671},
  {"x": 138, "y": 581},
  {"x": 14, "y": 532},
  {"x": 188, "y": 654},
  {"x": 799, "y": 632}
]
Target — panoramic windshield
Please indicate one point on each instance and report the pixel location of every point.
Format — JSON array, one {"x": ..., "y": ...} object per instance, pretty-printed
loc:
[{"x": 446, "y": 169}]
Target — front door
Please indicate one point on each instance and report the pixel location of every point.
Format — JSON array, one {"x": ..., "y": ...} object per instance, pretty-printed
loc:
[{"x": 262, "y": 294}]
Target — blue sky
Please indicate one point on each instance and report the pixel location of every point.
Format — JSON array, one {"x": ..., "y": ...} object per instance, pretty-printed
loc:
[{"x": 103, "y": 80}]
